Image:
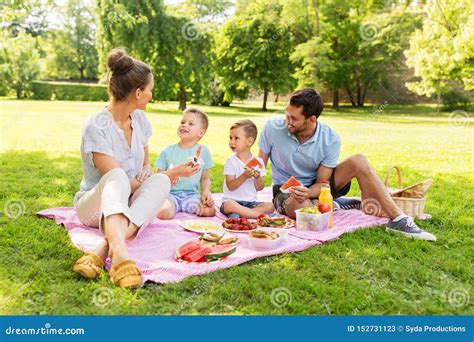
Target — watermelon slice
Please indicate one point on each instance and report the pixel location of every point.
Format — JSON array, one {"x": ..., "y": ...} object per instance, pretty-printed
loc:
[
  {"x": 196, "y": 156},
  {"x": 291, "y": 182},
  {"x": 254, "y": 163},
  {"x": 198, "y": 253},
  {"x": 219, "y": 252},
  {"x": 188, "y": 248}
]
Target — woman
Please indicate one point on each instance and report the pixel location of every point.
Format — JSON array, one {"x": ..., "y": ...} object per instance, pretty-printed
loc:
[{"x": 119, "y": 194}]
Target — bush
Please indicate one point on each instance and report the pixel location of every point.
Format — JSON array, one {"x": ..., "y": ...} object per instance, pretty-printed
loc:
[
  {"x": 69, "y": 91},
  {"x": 454, "y": 99}
]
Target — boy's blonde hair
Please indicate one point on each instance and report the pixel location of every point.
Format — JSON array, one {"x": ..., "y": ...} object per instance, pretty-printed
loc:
[
  {"x": 249, "y": 128},
  {"x": 200, "y": 114}
]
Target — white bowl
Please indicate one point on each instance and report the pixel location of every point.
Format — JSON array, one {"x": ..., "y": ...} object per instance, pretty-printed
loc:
[
  {"x": 264, "y": 244},
  {"x": 313, "y": 222}
]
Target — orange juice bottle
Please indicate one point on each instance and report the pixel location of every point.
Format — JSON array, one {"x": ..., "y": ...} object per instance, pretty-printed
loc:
[{"x": 326, "y": 197}]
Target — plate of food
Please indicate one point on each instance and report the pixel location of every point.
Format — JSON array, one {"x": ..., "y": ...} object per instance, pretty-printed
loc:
[
  {"x": 290, "y": 183},
  {"x": 201, "y": 226},
  {"x": 238, "y": 225},
  {"x": 207, "y": 248},
  {"x": 275, "y": 222}
]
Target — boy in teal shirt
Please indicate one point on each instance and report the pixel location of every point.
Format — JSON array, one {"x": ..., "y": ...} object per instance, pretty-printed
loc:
[{"x": 184, "y": 195}]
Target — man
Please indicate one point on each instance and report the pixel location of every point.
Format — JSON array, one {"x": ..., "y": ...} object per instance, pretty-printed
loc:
[{"x": 308, "y": 149}]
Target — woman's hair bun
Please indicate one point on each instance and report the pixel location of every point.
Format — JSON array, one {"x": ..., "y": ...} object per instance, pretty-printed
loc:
[{"x": 119, "y": 62}]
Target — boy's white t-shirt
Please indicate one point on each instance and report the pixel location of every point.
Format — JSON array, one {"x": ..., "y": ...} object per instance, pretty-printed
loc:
[{"x": 246, "y": 192}]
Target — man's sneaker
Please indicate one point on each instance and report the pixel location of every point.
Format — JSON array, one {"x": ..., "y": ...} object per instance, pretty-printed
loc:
[
  {"x": 407, "y": 226},
  {"x": 346, "y": 203}
]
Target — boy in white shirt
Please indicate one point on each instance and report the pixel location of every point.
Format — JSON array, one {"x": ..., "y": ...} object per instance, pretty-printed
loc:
[{"x": 242, "y": 183}]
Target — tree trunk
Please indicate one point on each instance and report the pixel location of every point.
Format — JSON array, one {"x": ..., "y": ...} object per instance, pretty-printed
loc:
[
  {"x": 335, "y": 99},
  {"x": 364, "y": 92},
  {"x": 316, "y": 14},
  {"x": 359, "y": 94},
  {"x": 349, "y": 93},
  {"x": 81, "y": 72},
  {"x": 18, "y": 93},
  {"x": 182, "y": 98},
  {"x": 276, "y": 98},
  {"x": 308, "y": 29},
  {"x": 265, "y": 97}
]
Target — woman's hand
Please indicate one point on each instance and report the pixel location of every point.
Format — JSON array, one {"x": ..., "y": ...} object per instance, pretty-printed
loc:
[
  {"x": 144, "y": 174},
  {"x": 185, "y": 169}
]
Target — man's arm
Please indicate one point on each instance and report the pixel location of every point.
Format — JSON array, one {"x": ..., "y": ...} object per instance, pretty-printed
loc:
[
  {"x": 264, "y": 156},
  {"x": 324, "y": 174}
]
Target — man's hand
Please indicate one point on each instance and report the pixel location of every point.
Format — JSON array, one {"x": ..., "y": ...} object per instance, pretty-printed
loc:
[
  {"x": 299, "y": 193},
  {"x": 206, "y": 199},
  {"x": 144, "y": 174}
]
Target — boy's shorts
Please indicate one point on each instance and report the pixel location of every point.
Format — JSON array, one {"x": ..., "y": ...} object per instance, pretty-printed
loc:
[
  {"x": 279, "y": 198},
  {"x": 186, "y": 202},
  {"x": 249, "y": 205}
]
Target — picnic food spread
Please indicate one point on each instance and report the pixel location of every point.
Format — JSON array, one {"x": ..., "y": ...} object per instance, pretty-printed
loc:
[
  {"x": 238, "y": 225},
  {"x": 291, "y": 182},
  {"x": 207, "y": 248},
  {"x": 201, "y": 226},
  {"x": 274, "y": 222}
]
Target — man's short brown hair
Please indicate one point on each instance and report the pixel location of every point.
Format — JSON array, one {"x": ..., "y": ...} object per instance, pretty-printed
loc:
[
  {"x": 249, "y": 128},
  {"x": 200, "y": 114}
]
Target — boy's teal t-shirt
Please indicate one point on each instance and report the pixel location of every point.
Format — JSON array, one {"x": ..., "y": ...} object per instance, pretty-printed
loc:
[{"x": 173, "y": 155}]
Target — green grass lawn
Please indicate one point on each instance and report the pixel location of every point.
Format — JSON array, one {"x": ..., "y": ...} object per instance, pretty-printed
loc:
[{"x": 367, "y": 272}]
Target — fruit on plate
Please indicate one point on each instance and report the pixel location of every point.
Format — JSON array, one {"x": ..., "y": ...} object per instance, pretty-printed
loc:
[
  {"x": 201, "y": 250},
  {"x": 238, "y": 224},
  {"x": 261, "y": 234},
  {"x": 273, "y": 222},
  {"x": 187, "y": 248},
  {"x": 310, "y": 210},
  {"x": 198, "y": 253},
  {"x": 291, "y": 182},
  {"x": 219, "y": 252},
  {"x": 324, "y": 207}
]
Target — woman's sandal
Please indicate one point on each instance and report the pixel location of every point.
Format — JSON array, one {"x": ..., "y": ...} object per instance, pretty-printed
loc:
[
  {"x": 126, "y": 274},
  {"x": 88, "y": 266}
]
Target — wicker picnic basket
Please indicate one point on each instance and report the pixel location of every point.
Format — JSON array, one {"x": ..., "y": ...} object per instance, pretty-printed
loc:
[{"x": 411, "y": 200}]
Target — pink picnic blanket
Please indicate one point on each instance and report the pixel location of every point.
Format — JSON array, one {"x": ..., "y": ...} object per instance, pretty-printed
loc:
[{"x": 155, "y": 247}]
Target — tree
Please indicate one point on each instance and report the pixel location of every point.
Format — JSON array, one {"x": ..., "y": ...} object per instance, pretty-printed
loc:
[
  {"x": 177, "y": 48},
  {"x": 351, "y": 46},
  {"x": 19, "y": 63},
  {"x": 79, "y": 29},
  {"x": 442, "y": 52},
  {"x": 253, "y": 51}
]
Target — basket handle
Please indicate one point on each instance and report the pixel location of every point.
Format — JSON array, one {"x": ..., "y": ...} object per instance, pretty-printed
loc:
[{"x": 399, "y": 175}]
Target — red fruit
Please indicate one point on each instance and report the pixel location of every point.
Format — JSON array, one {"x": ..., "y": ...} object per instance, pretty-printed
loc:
[
  {"x": 324, "y": 207},
  {"x": 233, "y": 220},
  {"x": 198, "y": 254},
  {"x": 188, "y": 248},
  {"x": 234, "y": 226},
  {"x": 292, "y": 181},
  {"x": 243, "y": 221},
  {"x": 261, "y": 216}
]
